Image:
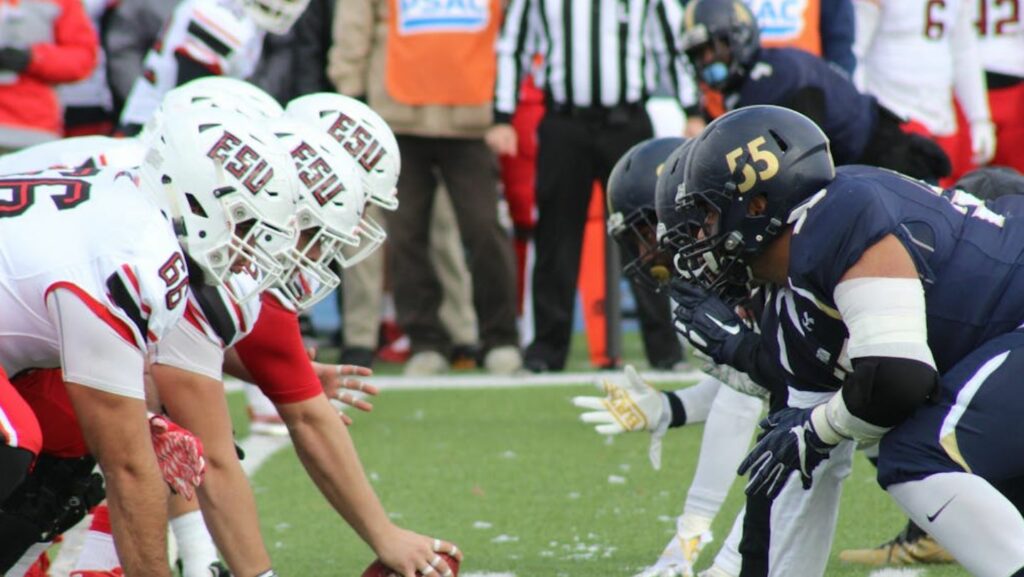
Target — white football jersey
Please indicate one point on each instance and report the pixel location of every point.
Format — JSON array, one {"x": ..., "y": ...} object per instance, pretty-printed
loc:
[
  {"x": 220, "y": 317},
  {"x": 910, "y": 58},
  {"x": 97, "y": 235},
  {"x": 214, "y": 33},
  {"x": 1001, "y": 35},
  {"x": 78, "y": 152}
]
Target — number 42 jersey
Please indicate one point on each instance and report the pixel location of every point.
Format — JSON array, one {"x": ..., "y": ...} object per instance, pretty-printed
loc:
[{"x": 96, "y": 234}]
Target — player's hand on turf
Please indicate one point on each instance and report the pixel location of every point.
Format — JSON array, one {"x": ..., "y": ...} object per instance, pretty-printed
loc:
[
  {"x": 407, "y": 553},
  {"x": 179, "y": 454},
  {"x": 789, "y": 443},
  {"x": 631, "y": 406},
  {"x": 710, "y": 325}
]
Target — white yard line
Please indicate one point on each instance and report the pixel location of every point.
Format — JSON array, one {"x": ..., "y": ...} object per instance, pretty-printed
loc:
[{"x": 485, "y": 381}]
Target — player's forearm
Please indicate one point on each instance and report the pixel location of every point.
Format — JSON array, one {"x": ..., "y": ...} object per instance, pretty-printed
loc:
[
  {"x": 137, "y": 498},
  {"x": 329, "y": 456}
]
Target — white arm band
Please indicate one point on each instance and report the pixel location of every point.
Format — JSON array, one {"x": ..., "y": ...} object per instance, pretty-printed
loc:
[
  {"x": 834, "y": 423},
  {"x": 885, "y": 317}
]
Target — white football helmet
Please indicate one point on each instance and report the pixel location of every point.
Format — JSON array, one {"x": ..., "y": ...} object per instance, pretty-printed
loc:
[
  {"x": 275, "y": 16},
  {"x": 229, "y": 189},
  {"x": 329, "y": 215},
  {"x": 362, "y": 133},
  {"x": 214, "y": 92}
]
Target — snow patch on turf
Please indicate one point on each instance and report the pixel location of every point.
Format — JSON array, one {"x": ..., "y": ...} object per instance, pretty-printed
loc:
[
  {"x": 482, "y": 525},
  {"x": 488, "y": 574},
  {"x": 616, "y": 480},
  {"x": 503, "y": 538},
  {"x": 897, "y": 573}
]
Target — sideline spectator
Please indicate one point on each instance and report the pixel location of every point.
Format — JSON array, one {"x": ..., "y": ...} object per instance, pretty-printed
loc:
[{"x": 42, "y": 43}]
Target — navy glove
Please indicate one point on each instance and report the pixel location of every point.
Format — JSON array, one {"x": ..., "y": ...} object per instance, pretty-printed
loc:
[
  {"x": 709, "y": 324},
  {"x": 789, "y": 443},
  {"x": 14, "y": 59}
]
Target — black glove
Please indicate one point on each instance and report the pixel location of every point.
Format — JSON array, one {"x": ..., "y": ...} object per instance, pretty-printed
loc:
[
  {"x": 14, "y": 59},
  {"x": 710, "y": 325},
  {"x": 789, "y": 443}
]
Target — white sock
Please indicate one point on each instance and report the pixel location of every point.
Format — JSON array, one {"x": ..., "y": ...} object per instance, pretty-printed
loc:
[
  {"x": 970, "y": 518},
  {"x": 698, "y": 398},
  {"x": 27, "y": 560},
  {"x": 195, "y": 545},
  {"x": 98, "y": 552},
  {"x": 727, "y": 436},
  {"x": 729, "y": 561}
]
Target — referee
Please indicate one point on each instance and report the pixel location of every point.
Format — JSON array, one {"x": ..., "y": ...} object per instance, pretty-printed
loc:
[{"x": 602, "y": 58}]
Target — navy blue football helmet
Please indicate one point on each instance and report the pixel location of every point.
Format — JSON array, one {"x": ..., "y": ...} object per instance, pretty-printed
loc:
[
  {"x": 670, "y": 184},
  {"x": 748, "y": 170},
  {"x": 729, "y": 30},
  {"x": 632, "y": 220}
]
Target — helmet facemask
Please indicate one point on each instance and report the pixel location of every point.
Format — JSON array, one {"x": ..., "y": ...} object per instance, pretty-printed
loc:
[
  {"x": 636, "y": 234},
  {"x": 308, "y": 276}
]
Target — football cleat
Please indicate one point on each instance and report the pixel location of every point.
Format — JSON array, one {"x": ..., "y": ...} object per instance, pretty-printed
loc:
[
  {"x": 679, "y": 556},
  {"x": 911, "y": 547}
]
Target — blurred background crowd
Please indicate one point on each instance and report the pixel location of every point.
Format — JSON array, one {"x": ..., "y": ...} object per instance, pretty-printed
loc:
[{"x": 509, "y": 117}]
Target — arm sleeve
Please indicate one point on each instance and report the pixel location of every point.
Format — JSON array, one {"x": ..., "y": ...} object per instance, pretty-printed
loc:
[
  {"x": 95, "y": 350},
  {"x": 275, "y": 356},
  {"x": 348, "y": 60},
  {"x": 509, "y": 51},
  {"x": 968, "y": 76},
  {"x": 187, "y": 348},
  {"x": 73, "y": 54},
  {"x": 838, "y": 33},
  {"x": 866, "y": 17}
]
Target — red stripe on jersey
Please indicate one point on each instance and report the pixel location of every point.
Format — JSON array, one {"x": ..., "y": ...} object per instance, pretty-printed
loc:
[
  {"x": 214, "y": 26},
  {"x": 130, "y": 274},
  {"x": 123, "y": 329}
]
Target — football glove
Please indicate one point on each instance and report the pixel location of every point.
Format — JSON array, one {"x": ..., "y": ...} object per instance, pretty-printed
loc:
[
  {"x": 983, "y": 142},
  {"x": 179, "y": 454},
  {"x": 710, "y": 325},
  {"x": 632, "y": 406},
  {"x": 789, "y": 443}
]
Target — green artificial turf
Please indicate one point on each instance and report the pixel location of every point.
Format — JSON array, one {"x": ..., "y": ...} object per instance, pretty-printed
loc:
[{"x": 523, "y": 487}]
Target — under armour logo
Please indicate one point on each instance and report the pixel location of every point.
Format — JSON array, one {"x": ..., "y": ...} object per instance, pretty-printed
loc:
[{"x": 807, "y": 322}]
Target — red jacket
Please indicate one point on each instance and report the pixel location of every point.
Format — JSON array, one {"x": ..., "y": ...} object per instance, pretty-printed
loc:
[{"x": 64, "y": 48}]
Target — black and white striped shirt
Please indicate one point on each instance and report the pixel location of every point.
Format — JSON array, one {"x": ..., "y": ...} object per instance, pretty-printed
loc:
[{"x": 597, "y": 53}]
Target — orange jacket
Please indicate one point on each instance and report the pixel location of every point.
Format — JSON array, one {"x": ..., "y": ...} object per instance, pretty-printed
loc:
[{"x": 63, "y": 47}]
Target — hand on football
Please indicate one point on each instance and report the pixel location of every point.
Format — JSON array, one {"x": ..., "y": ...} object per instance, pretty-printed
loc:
[
  {"x": 410, "y": 554},
  {"x": 710, "y": 325},
  {"x": 179, "y": 454},
  {"x": 632, "y": 406},
  {"x": 789, "y": 443}
]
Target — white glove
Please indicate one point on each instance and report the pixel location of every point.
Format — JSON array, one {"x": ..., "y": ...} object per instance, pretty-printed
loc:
[
  {"x": 633, "y": 406},
  {"x": 730, "y": 377},
  {"x": 983, "y": 142}
]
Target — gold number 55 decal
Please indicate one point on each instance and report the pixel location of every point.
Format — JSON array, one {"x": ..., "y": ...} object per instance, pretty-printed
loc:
[{"x": 750, "y": 173}]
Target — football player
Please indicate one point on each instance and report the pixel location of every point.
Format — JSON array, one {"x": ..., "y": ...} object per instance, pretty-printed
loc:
[
  {"x": 913, "y": 56},
  {"x": 883, "y": 262},
  {"x": 731, "y": 415},
  {"x": 204, "y": 38},
  {"x": 721, "y": 39},
  {"x": 115, "y": 281}
]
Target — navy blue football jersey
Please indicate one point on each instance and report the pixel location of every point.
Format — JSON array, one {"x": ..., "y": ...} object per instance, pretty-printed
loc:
[
  {"x": 780, "y": 73},
  {"x": 969, "y": 259},
  {"x": 808, "y": 342}
]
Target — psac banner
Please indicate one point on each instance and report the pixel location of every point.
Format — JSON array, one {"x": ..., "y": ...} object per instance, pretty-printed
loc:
[{"x": 444, "y": 16}]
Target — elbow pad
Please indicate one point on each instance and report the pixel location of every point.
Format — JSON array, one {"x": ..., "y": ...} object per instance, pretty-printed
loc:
[{"x": 879, "y": 394}]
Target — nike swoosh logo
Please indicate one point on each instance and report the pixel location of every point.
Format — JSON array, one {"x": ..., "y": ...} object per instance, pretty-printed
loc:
[
  {"x": 731, "y": 329},
  {"x": 931, "y": 518}
]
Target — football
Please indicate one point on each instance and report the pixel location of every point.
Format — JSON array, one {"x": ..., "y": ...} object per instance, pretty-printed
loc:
[{"x": 378, "y": 569}]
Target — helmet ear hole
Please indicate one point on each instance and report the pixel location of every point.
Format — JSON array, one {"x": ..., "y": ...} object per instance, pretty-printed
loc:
[
  {"x": 783, "y": 146},
  {"x": 757, "y": 205},
  {"x": 195, "y": 206}
]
